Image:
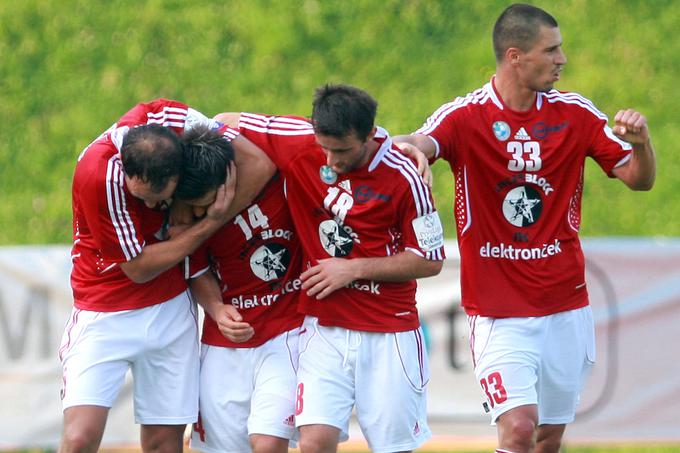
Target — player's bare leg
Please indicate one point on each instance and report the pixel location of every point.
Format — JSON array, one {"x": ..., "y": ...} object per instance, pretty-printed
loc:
[
  {"x": 262, "y": 443},
  {"x": 517, "y": 429},
  {"x": 83, "y": 429},
  {"x": 319, "y": 439},
  {"x": 549, "y": 438},
  {"x": 162, "y": 438}
]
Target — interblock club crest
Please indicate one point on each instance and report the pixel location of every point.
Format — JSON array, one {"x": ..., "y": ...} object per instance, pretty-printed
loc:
[
  {"x": 270, "y": 261},
  {"x": 334, "y": 239},
  {"x": 522, "y": 206}
]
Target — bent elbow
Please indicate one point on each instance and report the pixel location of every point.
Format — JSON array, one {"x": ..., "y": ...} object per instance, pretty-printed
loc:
[{"x": 433, "y": 268}]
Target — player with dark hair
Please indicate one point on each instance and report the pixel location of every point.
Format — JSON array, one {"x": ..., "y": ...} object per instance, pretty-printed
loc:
[
  {"x": 131, "y": 308},
  {"x": 206, "y": 158},
  {"x": 370, "y": 230},
  {"x": 517, "y": 148},
  {"x": 250, "y": 330}
]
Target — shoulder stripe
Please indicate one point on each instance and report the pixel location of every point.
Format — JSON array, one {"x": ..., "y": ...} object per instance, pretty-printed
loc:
[
  {"x": 169, "y": 117},
  {"x": 479, "y": 96},
  {"x": 419, "y": 190},
  {"x": 275, "y": 125},
  {"x": 120, "y": 217},
  {"x": 576, "y": 99}
]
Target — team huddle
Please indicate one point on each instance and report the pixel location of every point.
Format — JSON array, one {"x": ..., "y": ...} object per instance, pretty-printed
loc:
[{"x": 302, "y": 240}]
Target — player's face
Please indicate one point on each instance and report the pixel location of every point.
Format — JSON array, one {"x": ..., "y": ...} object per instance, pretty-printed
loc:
[
  {"x": 199, "y": 206},
  {"x": 540, "y": 67},
  {"x": 142, "y": 190},
  {"x": 345, "y": 154}
]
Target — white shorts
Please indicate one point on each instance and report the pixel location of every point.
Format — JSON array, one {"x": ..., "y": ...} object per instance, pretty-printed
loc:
[
  {"x": 541, "y": 361},
  {"x": 383, "y": 374},
  {"x": 158, "y": 343},
  {"x": 246, "y": 391}
]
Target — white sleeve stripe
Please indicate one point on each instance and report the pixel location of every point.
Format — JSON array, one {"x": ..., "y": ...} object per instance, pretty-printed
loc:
[
  {"x": 479, "y": 96},
  {"x": 576, "y": 99},
  {"x": 120, "y": 217},
  {"x": 230, "y": 134},
  {"x": 274, "y": 131},
  {"x": 275, "y": 125},
  {"x": 263, "y": 119},
  {"x": 419, "y": 190},
  {"x": 166, "y": 123},
  {"x": 123, "y": 212},
  {"x": 169, "y": 116},
  {"x": 389, "y": 159},
  {"x": 171, "y": 110}
]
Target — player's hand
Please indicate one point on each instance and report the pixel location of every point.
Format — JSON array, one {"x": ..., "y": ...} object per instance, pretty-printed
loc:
[
  {"x": 231, "y": 325},
  {"x": 224, "y": 196},
  {"x": 413, "y": 152},
  {"x": 327, "y": 276},
  {"x": 631, "y": 126}
]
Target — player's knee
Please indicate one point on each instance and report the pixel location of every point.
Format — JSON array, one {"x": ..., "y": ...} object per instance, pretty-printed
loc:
[
  {"x": 518, "y": 434},
  {"x": 268, "y": 444},
  {"x": 316, "y": 444},
  {"x": 78, "y": 440}
]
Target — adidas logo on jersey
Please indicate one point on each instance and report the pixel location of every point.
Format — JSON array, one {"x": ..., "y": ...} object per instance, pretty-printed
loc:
[
  {"x": 345, "y": 185},
  {"x": 289, "y": 421},
  {"x": 522, "y": 134}
]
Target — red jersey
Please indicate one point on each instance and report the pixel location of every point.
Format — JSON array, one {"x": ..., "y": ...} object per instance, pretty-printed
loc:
[
  {"x": 378, "y": 210},
  {"x": 257, "y": 258},
  {"x": 111, "y": 226},
  {"x": 519, "y": 182}
]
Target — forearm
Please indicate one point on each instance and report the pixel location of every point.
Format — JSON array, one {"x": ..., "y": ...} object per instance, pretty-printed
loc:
[
  {"x": 420, "y": 141},
  {"x": 640, "y": 173},
  {"x": 159, "y": 257},
  {"x": 402, "y": 267},
  {"x": 206, "y": 291},
  {"x": 254, "y": 168}
]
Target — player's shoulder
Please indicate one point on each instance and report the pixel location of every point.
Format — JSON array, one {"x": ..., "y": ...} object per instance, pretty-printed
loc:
[
  {"x": 395, "y": 167},
  {"x": 276, "y": 124},
  {"x": 572, "y": 101}
]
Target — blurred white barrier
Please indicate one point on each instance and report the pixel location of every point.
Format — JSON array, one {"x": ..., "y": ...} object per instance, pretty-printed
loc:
[{"x": 633, "y": 393}]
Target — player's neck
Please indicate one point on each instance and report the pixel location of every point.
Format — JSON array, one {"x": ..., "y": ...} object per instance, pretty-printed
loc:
[{"x": 516, "y": 96}]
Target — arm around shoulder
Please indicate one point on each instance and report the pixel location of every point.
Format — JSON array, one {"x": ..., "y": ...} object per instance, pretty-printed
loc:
[{"x": 422, "y": 142}]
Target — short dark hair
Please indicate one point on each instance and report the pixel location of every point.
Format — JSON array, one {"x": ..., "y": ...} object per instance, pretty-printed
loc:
[
  {"x": 152, "y": 153},
  {"x": 518, "y": 26},
  {"x": 339, "y": 110},
  {"x": 207, "y": 154}
]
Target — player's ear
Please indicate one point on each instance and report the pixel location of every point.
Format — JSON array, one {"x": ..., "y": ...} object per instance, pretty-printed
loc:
[{"x": 512, "y": 55}]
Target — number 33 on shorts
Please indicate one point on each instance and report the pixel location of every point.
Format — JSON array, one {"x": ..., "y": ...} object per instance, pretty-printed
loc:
[{"x": 493, "y": 388}]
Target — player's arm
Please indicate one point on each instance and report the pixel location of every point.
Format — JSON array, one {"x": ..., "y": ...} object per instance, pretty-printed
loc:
[
  {"x": 421, "y": 142},
  {"x": 255, "y": 169},
  {"x": 334, "y": 273},
  {"x": 159, "y": 257},
  {"x": 206, "y": 291},
  {"x": 231, "y": 119},
  {"x": 639, "y": 172}
]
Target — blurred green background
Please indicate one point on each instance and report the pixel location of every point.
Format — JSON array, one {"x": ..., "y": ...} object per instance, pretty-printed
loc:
[{"x": 70, "y": 68}]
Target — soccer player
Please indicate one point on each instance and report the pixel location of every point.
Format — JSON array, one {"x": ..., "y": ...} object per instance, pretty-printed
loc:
[
  {"x": 131, "y": 305},
  {"x": 370, "y": 229},
  {"x": 517, "y": 148},
  {"x": 250, "y": 331}
]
